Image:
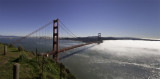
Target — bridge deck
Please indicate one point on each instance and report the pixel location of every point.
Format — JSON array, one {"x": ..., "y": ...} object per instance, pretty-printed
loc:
[{"x": 66, "y": 49}]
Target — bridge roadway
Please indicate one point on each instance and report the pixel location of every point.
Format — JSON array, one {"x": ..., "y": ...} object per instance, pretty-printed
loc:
[{"x": 66, "y": 49}]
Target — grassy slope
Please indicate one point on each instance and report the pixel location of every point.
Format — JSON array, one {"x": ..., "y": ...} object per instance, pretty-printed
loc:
[{"x": 30, "y": 68}]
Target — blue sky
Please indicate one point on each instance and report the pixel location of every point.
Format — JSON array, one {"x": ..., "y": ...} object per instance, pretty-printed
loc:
[{"x": 120, "y": 18}]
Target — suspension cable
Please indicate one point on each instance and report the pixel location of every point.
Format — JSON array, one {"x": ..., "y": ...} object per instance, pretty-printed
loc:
[
  {"x": 67, "y": 29},
  {"x": 67, "y": 32},
  {"x": 22, "y": 38}
]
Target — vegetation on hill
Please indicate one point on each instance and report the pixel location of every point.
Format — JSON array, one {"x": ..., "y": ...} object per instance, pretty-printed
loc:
[{"x": 31, "y": 66}]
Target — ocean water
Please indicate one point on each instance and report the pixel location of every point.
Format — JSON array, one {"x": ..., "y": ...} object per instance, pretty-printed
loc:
[
  {"x": 112, "y": 59},
  {"x": 115, "y": 59}
]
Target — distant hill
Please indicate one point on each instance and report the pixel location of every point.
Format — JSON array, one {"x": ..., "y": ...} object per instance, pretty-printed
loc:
[
  {"x": 95, "y": 38},
  {"x": 126, "y": 38},
  {"x": 2, "y": 36},
  {"x": 91, "y": 38}
]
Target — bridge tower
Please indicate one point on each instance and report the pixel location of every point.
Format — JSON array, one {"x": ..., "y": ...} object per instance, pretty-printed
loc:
[
  {"x": 55, "y": 39},
  {"x": 99, "y": 38}
]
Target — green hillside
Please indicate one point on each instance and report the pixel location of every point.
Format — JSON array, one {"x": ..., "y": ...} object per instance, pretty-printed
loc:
[{"x": 30, "y": 66}]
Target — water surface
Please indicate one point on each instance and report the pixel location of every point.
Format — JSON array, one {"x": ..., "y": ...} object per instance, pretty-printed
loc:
[
  {"x": 115, "y": 59},
  {"x": 112, "y": 59}
]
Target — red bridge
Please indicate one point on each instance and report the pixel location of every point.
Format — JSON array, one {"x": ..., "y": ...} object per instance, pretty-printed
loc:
[{"x": 55, "y": 50}]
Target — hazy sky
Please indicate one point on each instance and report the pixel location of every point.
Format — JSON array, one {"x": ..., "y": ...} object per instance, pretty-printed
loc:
[{"x": 122, "y": 18}]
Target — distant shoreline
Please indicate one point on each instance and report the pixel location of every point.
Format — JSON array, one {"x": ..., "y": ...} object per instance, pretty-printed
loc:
[{"x": 90, "y": 38}]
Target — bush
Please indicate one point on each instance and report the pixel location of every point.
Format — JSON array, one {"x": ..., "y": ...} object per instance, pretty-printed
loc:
[
  {"x": 11, "y": 45},
  {"x": 22, "y": 58},
  {"x": 5, "y": 44},
  {"x": 70, "y": 76},
  {"x": 20, "y": 48}
]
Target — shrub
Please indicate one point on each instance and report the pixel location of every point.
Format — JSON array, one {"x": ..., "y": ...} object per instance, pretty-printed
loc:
[
  {"x": 11, "y": 45},
  {"x": 22, "y": 58},
  {"x": 70, "y": 76},
  {"x": 20, "y": 48}
]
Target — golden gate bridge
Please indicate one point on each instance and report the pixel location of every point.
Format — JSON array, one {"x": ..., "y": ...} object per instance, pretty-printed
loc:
[{"x": 56, "y": 32}]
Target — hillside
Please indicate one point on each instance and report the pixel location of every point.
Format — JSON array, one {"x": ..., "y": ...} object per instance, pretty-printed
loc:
[{"x": 30, "y": 66}]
